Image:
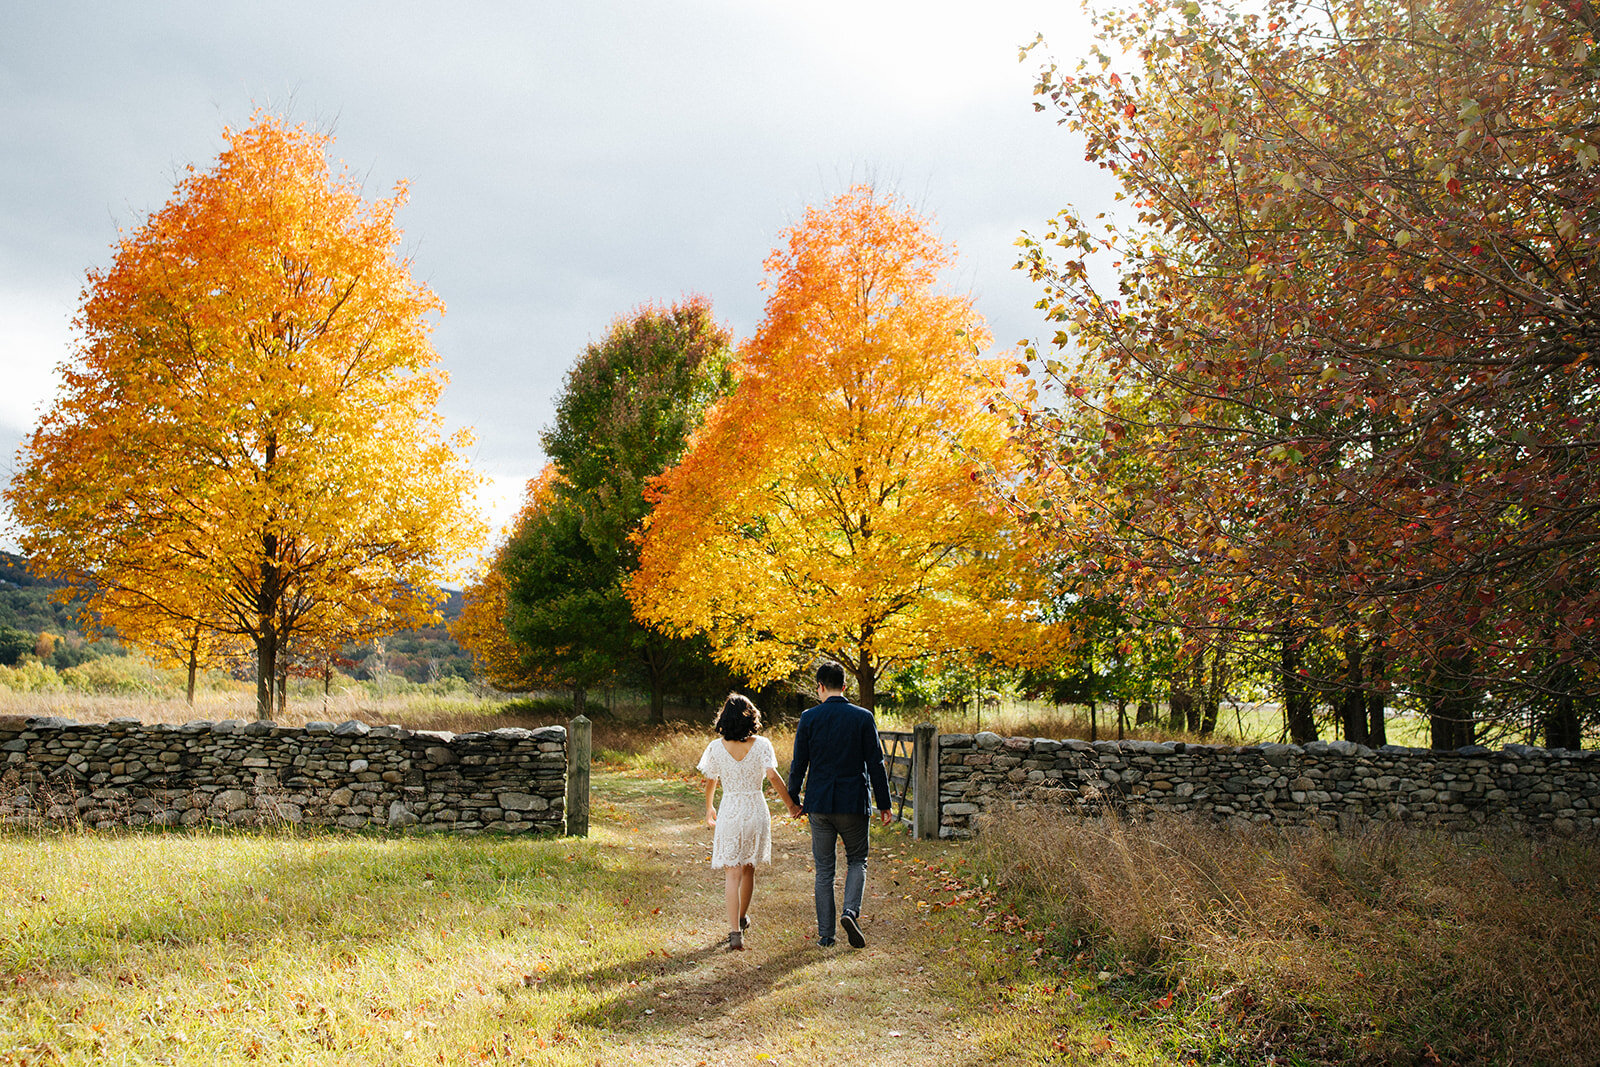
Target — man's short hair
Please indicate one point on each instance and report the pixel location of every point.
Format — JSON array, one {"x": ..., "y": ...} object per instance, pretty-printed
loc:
[{"x": 830, "y": 675}]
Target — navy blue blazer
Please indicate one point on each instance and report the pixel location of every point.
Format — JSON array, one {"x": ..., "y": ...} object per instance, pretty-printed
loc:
[{"x": 837, "y": 746}]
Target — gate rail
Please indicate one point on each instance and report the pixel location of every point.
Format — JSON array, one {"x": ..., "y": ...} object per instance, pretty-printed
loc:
[
  {"x": 897, "y": 763},
  {"x": 911, "y": 761}
]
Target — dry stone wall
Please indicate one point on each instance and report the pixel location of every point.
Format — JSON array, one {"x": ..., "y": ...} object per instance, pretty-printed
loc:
[
  {"x": 347, "y": 775},
  {"x": 1335, "y": 783}
]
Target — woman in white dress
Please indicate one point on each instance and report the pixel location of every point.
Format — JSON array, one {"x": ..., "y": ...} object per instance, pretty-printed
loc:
[{"x": 742, "y": 762}]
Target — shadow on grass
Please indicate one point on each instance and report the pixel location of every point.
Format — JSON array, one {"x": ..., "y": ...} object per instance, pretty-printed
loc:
[{"x": 686, "y": 990}]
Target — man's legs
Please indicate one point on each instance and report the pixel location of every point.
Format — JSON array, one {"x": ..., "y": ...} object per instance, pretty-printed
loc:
[
  {"x": 823, "y": 840},
  {"x": 853, "y": 831}
]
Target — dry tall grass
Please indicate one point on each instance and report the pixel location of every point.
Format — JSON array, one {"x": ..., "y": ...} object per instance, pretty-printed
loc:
[
  {"x": 674, "y": 749},
  {"x": 1373, "y": 946}
]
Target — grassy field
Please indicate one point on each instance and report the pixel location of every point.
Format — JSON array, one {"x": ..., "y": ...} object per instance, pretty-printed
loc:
[
  {"x": 1044, "y": 942},
  {"x": 460, "y": 710},
  {"x": 319, "y": 949}
]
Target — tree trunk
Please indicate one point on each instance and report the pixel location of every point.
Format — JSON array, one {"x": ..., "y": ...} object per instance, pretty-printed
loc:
[
  {"x": 1561, "y": 726},
  {"x": 1353, "y": 701},
  {"x": 658, "y": 664},
  {"x": 1094, "y": 722},
  {"x": 1195, "y": 665},
  {"x": 266, "y": 670},
  {"x": 1144, "y": 714},
  {"x": 283, "y": 686},
  {"x": 1377, "y": 724},
  {"x": 867, "y": 682},
  {"x": 1211, "y": 687},
  {"x": 269, "y": 598},
  {"x": 1451, "y": 721},
  {"x": 1181, "y": 705},
  {"x": 194, "y": 663},
  {"x": 580, "y": 700},
  {"x": 327, "y": 684},
  {"x": 1299, "y": 714},
  {"x": 1122, "y": 718}
]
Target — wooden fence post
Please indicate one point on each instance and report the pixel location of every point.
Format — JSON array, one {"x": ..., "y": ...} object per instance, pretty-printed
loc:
[
  {"x": 579, "y": 745},
  {"x": 925, "y": 790}
]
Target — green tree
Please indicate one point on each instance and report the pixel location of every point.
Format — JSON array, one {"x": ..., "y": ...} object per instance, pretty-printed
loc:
[
  {"x": 630, "y": 404},
  {"x": 14, "y": 644}
]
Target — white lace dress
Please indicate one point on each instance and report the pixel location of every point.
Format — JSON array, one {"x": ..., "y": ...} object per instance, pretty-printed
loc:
[{"x": 744, "y": 825}]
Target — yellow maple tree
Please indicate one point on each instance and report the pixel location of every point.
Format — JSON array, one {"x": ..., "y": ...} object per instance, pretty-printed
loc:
[
  {"x": 249, "y": 421},
  {"x": 837, "y": 502}
]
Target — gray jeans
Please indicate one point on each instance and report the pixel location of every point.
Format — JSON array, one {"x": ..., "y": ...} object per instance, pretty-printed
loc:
[{"x": 826, "y": 831}]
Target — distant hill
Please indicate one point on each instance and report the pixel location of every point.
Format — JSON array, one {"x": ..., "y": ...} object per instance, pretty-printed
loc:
[
  {"x": 417, "y": 655},
  {"x": 25, "y": 602}
]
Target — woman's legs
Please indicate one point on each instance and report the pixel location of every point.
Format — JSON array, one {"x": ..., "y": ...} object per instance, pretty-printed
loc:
[
  {"x": 739, "y": 887},
  {"x": 747, "y": 889},
  {"x": 735, "y": 890}
]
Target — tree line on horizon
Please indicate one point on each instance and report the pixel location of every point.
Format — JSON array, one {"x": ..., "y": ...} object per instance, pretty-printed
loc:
[{"x": 1330, "y": 436}]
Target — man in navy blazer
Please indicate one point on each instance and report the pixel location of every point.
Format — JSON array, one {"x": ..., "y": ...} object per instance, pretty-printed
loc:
[{"x": 836, "y": 752}]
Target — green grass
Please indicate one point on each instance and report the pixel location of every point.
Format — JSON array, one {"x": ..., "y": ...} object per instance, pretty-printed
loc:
[{"x": 313, "y": 949}]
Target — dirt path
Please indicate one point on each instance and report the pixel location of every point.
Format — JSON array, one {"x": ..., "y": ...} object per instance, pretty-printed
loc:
[{"x": 784, "y": 999}]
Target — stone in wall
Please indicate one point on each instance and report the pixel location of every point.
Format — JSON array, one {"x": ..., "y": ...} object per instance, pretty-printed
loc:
[
  {"x": 346, "y": 775},
  {"x": 1331, "y": 784}
]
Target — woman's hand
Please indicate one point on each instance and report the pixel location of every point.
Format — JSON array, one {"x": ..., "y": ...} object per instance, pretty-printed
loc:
[{"x": 711, "y": 820}]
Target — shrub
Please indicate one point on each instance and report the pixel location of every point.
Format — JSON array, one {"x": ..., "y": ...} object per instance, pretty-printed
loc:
[
  {"x": 115, "y": 676},
  {"x": 30, "y": 676}
]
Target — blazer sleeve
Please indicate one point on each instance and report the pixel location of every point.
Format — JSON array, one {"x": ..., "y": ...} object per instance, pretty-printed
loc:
[
  {"x": 873, "y": 750},
  {"x": 801, "y": 760}
]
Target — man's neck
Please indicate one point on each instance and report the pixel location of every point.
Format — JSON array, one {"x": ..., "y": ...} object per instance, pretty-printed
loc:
[{"x": 829, "y": 694}]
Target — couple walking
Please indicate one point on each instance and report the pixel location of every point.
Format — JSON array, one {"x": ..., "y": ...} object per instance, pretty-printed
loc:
[{"x": 836, "y": 753}]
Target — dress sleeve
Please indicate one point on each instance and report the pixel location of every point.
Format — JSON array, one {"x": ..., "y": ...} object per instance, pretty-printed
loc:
[
  {"x": 708, "y": 766},
  {"x": 769, "y": 757}
]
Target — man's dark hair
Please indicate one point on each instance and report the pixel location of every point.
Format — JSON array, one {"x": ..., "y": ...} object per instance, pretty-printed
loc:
[
  {"x": 830, "y": 675},
  {"x": 739, "y": 719}
]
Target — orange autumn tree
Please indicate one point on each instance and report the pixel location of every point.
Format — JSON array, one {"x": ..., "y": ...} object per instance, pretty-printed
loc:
[
  {"x": 835, "y": 502},
  {"x": 247, "y": 435}
]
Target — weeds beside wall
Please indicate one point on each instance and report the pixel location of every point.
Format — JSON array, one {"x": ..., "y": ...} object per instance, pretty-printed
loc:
[{"x": 349, "y": 775}]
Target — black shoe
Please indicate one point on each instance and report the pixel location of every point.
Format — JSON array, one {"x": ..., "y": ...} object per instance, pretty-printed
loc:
[
  {"x": 852, "y": 930},
  {"x": 744, "y": 922},
  {"x": 736, "y": 942},
  {"x": 824, "y": 942}
]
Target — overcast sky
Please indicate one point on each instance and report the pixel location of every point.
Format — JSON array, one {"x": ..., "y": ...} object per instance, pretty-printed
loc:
[{"x": 568, "y": 161}]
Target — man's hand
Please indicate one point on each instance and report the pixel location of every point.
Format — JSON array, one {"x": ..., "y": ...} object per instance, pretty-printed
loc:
[
  {"x": 795, "y": 811},
  {"x": 886, "y": 816}
]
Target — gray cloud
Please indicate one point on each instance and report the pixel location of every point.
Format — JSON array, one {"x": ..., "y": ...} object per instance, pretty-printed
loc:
[{"x": 566, "y": 161}]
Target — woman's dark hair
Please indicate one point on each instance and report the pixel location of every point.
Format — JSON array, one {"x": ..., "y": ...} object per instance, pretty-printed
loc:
[{"x": 739, "y": 719}]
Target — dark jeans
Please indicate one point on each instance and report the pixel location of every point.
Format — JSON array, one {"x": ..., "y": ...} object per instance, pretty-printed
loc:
[{"x": 826, "y": 831}]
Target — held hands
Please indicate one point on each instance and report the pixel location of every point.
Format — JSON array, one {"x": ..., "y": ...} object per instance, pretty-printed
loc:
[{"x": 794, "y": 810}]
